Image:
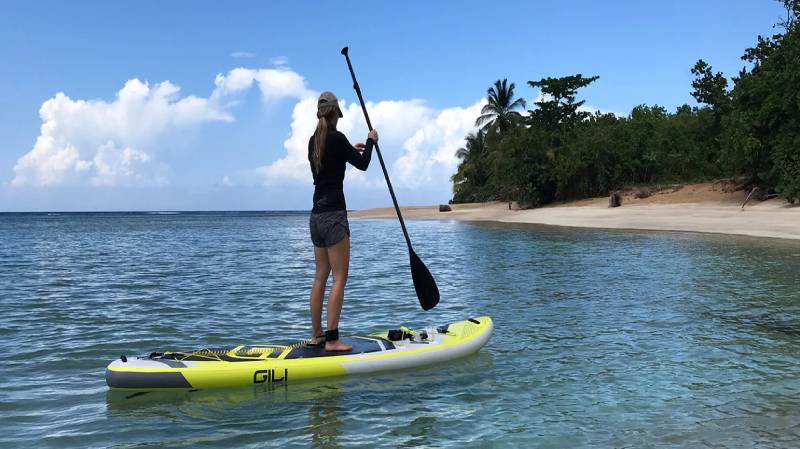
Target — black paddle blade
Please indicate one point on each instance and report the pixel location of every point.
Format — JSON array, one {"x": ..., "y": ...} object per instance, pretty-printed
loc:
[{"x": 424, "y": 284}]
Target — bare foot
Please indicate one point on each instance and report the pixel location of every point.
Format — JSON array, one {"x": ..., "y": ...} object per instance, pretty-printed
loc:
[
  {"x": 317, "y": 339},
  {"x": 337, "y": 346}
]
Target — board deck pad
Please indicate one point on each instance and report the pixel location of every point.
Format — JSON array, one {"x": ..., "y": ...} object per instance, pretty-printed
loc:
[{"x": 361, "y": 345}]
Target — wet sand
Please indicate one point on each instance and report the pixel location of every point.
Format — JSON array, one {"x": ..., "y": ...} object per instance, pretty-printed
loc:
[{"x": 707, "y": 207}]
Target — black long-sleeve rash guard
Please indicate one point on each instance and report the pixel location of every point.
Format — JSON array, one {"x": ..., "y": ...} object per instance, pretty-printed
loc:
[{"x": 328, "y": 191}]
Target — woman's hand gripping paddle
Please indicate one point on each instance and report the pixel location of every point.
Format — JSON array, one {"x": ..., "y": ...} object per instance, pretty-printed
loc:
[{"x": 424, "y": 284}]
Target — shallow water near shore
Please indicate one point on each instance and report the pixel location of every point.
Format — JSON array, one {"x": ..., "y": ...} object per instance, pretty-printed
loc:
[{"x": 602, "y": 338}]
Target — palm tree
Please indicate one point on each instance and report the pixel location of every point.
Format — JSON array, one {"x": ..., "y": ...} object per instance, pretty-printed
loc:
[
  {"x": 476, "y": 144},
  {"x": 471, "y": 174},
  {"x": 499, "y": 111}
]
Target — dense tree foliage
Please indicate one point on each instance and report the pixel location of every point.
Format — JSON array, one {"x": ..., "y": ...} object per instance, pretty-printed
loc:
[{"x": 561, "y": 151}]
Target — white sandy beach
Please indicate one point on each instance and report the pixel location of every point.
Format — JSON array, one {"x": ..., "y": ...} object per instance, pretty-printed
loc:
[{"x": 695, "y": 208}]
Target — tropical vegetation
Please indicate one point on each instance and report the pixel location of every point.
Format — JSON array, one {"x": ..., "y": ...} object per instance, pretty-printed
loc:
[{"x": 559, "y": 150}]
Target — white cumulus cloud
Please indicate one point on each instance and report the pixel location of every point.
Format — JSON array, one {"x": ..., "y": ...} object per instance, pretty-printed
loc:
[
  {"x": 274, "y": 84},
  {"x": 418, "y": 142},
  {"x": 293, "y": 166},
  {"x": 108, "y": 142},
  {"x": 430, "y": 152},
  {"x": 116, "y": 142}
]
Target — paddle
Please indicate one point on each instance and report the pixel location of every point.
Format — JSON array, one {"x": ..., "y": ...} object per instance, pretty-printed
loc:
[{"x": 424, "y": 284}]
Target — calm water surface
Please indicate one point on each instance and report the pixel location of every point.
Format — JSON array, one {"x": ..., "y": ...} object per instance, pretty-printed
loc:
[{"x": 602, "y": 338}]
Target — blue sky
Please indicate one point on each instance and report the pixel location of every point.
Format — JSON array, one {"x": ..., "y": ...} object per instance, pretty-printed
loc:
[{"x": 426, "y": 67}]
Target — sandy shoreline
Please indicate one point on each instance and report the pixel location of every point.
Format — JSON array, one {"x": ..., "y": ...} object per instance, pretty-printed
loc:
[{"x": 697, "y": 208}]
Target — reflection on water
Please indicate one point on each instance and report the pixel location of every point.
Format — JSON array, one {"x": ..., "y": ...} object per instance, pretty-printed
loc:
[
  {"x": 324, "y": 421},
  {"x": 321, "y": 399},
  {"x": 315, "y": 413},
  {"x": 602, "y": 338}
]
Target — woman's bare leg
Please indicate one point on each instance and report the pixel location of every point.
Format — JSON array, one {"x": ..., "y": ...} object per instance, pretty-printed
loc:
[
  {"x": 318, "y": 291},
  {"x": 339, "y": 257}
]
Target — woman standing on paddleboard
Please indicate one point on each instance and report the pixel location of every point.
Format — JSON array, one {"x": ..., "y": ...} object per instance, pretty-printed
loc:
[{"x": 329, "y": 151}]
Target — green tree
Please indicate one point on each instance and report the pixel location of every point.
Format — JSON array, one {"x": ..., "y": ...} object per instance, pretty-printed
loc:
[
  {"x": 557, "y": 105},
  {"x": 499, "y": 111},
  {"x": 711, "y": 89},
  {"x": 792, "y": 12},
  {"x": 470, "y": 178},
  {"x": 708, "y": 87},
  {"x": 474, "y": 148},
  {"x": 762, "y": 133},
  {"x": 588, "y": 164},
  {"x": 522, "y": 167}
]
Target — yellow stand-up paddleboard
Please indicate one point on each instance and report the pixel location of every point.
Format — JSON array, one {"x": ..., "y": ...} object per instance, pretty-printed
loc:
[{"x": 275, "y": 364}]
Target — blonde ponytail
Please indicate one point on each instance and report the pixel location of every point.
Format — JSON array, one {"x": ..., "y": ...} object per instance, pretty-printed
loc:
[{"x": 324, "y": 113}]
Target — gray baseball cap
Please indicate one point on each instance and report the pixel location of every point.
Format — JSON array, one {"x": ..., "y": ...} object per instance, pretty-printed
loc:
[{"x": 326, "y": 98}]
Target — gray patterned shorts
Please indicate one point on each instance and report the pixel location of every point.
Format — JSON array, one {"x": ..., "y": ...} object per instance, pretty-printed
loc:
[{"x": 328, "y": 228}]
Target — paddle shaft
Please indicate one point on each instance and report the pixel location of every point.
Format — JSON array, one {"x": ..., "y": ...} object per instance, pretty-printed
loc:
[
  {"x": 377, "y": 148},
  {"x": 424, "y": 283}
]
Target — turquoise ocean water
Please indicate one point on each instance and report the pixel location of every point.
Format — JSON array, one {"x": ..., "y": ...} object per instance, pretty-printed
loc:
[{"x": 602, "y": 338}]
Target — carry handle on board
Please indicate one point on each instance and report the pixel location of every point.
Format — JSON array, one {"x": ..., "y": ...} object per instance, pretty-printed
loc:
[{"x": 424, "y": 284}]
